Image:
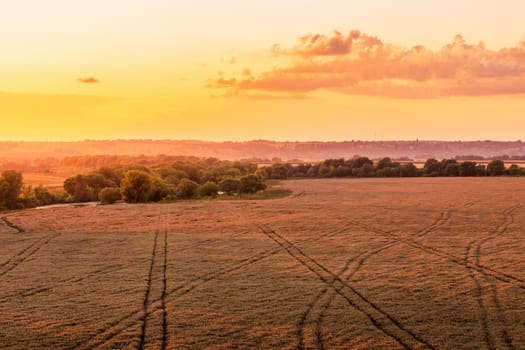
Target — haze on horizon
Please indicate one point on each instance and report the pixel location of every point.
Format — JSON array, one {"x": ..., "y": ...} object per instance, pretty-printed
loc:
[{"x": 237, "y": 70}]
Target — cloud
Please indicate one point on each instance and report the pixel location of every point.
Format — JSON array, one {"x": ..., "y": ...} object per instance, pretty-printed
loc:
[
  {"x": 358, "y": 64},
  {"x": 88, "y": 80}
]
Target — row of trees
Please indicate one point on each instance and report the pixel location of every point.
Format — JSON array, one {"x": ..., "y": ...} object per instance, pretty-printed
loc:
[
  {"x": 181, "y": 180},
  {"x": 386, "y": 167}
]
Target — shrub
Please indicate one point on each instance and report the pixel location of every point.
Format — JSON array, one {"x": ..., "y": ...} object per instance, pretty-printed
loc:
[
  {"x": 209, "y": 189},
  {"x": 109, "y": 195},
  {"x": 11, "y": 183},
  {"x": 230, "y": 186},
  {"x": 496, "y": 168},
  {"x": 251, "y": 184},
  {"x": 136, "y": 186},
  {"x": 187, "y": 189}
]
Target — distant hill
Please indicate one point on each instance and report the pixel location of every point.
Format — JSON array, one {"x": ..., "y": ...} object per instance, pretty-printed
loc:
[{"x": 261, "y": 149}]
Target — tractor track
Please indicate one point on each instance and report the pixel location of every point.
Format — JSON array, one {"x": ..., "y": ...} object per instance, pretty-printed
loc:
[
  {"x": 145, "y": 304},
  {"x": 361, "y": 258},
  {"x": 381, "y": 320},
  {"x": 482, "y": 269},
  {"x": 8, "y": 223},
  {"x": 164, "y": 288},
  {"x": 32, "y": 249},
  {"x": 118, "y": 326},
  {"x": 499, "y": 337},
  {"x": 26, "y": 253},
  {"x": 472, "y": 268}
]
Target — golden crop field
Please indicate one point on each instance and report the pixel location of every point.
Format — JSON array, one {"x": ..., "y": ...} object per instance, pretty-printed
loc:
[{"x": 422, "y": 263}]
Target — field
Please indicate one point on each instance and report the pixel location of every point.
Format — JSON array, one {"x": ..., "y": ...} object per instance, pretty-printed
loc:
[{"x": 422, "y": 263}]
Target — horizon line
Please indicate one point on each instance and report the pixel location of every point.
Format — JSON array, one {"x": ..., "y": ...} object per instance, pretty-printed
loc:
[{"x": 251, "y": 140}]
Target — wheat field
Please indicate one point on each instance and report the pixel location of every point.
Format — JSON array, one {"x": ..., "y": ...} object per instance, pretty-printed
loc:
[{"x": 424, "y": 263}]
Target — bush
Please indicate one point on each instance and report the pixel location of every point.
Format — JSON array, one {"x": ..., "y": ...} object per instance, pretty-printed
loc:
[
  {"x": 251, "y": 184},
  {"x": 408, "y": 170},
  {"x": 187, "y": 189},
  {"x": 230, "y": 186},
  {"x": 136, "y": 186},
  {"x": 496, "y": 168},
  {"x": 11, "y": 183},
  {"x": 209, "y": 189},
  {"x": 109, "y": 195}
]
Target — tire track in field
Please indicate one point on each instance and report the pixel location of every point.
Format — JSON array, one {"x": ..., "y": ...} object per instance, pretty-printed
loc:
[
  {"x": 147, "y": 293},
  {"x": 472, "y": 268},
  {"x": 26, "y": 253},
  {"x": 24, "y": 293},
  {"x": 72, "y": 280},
  {"x": 494, "y": 328},
  {"x": 164, "y": 288},
  {"x": 8, "y": 223},
  {"x": 484, "y": 270},
  {"x": 381, "y": 320},
  {"x": 118, "y": 326},
  {"x": 329, "y": 294},
  {"x": 32, "y": 249}
]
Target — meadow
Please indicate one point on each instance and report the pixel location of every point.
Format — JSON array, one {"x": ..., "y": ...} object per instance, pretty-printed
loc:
[{"x": 399, "y": 263}]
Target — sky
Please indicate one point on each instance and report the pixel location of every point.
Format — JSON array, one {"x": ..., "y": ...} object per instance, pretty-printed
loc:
[{"x": 262, "y": 69}]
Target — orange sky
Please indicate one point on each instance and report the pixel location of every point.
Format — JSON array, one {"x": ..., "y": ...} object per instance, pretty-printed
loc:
[{"x": 241, "y": 70}]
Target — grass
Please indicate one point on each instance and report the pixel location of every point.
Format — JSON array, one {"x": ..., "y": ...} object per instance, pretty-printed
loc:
[{"x": 426, "y": 263}]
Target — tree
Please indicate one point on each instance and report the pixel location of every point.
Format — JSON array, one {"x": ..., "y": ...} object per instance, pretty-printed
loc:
[
  {"x": 516, "y": 170},
  {"x": 109, "y": 195},
  {"x": 230, "y": 186},
  {"x": 448, "y": 167},
  {"x": 384, "y": 163},
  {"x": 389, "y": 172},
  {"x": 358, "y": 162},
  {"x": 11, "y": 183},
  {"x": 278, "y": 171},
  {"x": 367, "y": 170},
  {"x": 209, "y": 189},
  {"x": 481, "y": 170},
  {"x": 85, "y": 188},
  {"x": 496, "y": 168},
  {"x": 187, "y": 189},
  {"x": 451, "y": 169},
  {"x": 326, "y": 171},
  {"x": 431, "y": 167},
  {"x": 136, "y": 186},
  {"x": 251, "y": 184},
  {"x": 408, "y": 170},
  {"x": 467, "y": 169}
]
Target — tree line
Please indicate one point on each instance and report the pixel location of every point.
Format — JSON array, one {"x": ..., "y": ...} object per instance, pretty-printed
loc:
[
  {"x": 191, "y": 177},
  {"x": 386, "y": 167}
]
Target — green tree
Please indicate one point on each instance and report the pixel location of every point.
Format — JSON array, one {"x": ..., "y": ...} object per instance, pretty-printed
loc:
[
  {"x": 496, "y": 168},
  {"x": 467, "y": 169},
  {"x": 209, "y": 189},
  {"x": 451, "y": 169},
  {"x": 367, "y": 170},
  {"x": 358, "y": 162},
  {"x": 384, "y": 163},
  {"x": 431, "y": 167},
  {"x": 11, "y": 183},
  {"x": 278, "y": 171},
  {"x": 481, "y": 170},
  {"x": 251, "y": 184},
  {"x": 187, "y": 189},
  {"x": 408, "y": 170},
  {"x": 326, "y": 171},
  {"x": 109, "y": 195},
  {"x": 230, "y": 186},
  {"x": 136, "y": 186},
  {"x": 516, "y": 170}
]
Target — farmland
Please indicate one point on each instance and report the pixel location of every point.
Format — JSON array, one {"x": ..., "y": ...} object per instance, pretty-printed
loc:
[{"x": 421, "y": 263}]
